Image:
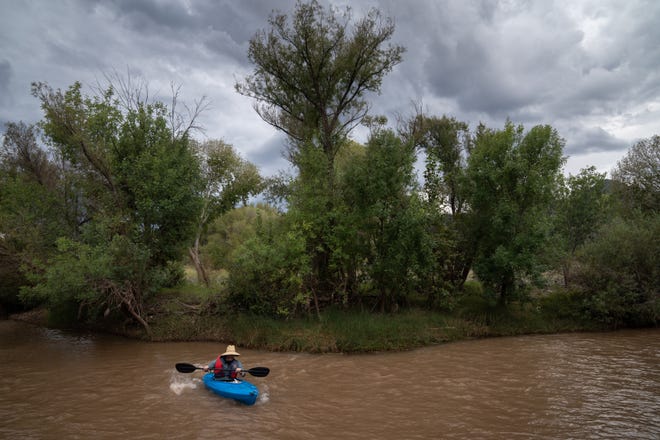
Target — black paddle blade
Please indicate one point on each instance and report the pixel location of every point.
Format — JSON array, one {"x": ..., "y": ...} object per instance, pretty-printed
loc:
[
  {"x": 258, "y": 371},
  {"x": 186, "y": 368}
]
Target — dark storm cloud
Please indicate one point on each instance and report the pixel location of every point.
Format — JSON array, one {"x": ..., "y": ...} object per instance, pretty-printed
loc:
[
  {"x": 223, "y": 27},
  {"x": 589, "y": 68},
  {"x": 148, "y": 16},
  {"x": 490, "y": 60},
  {"x": 583, "y": 67}
]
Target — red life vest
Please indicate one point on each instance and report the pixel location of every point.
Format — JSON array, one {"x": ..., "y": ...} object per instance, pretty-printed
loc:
[{"x": 220, "y": 369}]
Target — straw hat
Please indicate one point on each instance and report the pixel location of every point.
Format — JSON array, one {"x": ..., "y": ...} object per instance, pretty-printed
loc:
[{"x": 231, "y": 351}]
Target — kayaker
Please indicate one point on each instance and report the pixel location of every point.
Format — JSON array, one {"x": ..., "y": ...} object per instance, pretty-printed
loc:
[{"x": 226, "y": 366}]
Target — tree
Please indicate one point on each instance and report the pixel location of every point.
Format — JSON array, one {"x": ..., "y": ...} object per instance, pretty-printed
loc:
[
  {"x": 446, "y": 143},
  {"x": 581, "y": 210},
  {"x": 230, "y": 231},
  {"x": 637, "y": 177},
  {"x": 385, "y": 221},
  {"x": 136, "y": 184},
  {"x": 513, "y": 177},
  {"x": 227, "y": 179},
  {"x": 21, "y": 154},
  {"x": 310, "y": 81},
  {"x": 33, "y": 208},
  {"x": 311, "y": 77}
]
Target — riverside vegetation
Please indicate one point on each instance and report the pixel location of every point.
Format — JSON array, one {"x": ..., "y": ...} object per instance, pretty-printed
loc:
[
  {"x": 194, "y": 314},
  {"x": 107, "y": 200}
]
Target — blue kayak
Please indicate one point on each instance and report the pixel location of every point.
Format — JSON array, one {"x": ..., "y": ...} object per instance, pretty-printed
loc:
[{"x": 240, "y": 390}]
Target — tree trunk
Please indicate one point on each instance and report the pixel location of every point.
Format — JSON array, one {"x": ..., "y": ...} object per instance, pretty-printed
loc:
[
  {"x": 202, "y": 276},
  {"x": 138, "y": 317},
  {"x": 126, "y": 296},
  {"x": 505, "y": 289},
  {"x": 566, "y": 272}
]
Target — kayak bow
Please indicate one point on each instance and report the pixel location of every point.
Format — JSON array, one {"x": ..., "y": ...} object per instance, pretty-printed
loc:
[{"x": 240, "y": 390}]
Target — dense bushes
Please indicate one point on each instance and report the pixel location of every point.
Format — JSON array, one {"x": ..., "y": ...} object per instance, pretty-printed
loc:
[
  {"x": 267, "y": 274},
  {"x": 619, "y": 273}
]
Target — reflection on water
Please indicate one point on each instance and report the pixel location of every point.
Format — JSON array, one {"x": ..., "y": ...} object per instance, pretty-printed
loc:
[{"x": 56, "y": 385}]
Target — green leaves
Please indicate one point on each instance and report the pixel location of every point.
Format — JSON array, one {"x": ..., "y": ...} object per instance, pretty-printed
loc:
[
  {"x": 130, "y": 191},
  {"x": 512, "y": 178},
  {"x": 312, "y": 72},
  {"x": 637, "y": 177},
  {"x": 383, "y": 220}
]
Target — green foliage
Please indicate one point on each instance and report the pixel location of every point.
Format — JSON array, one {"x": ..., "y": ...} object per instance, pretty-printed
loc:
[
  {"x": 619, "y": 272},
  {"x": 159, "y": 177},
  {"x": 476, "y": 303},
  {"x": 228, "y": 233},
  {"x": 636, "y": 177},
  {"x": 387, "y": 230},
  {"x": 128, "y": 164},
  {"x": 229, "y": 179},
  {"x": 562, "y": 304},
  {"x": 68, "y": 277},
  {"x": 312, "y": 73},
  {"x": 447, "y": 143},
  {"x": 127, "y": 194},
  {"x": 581, "y": 208},
  {"x": 472, "y": 288},
  {"x": 267, "y": 274},
  {"x": 30, "y": 219},
  {"x": 513, "y": 178},
  {"x": 313, "y": 69},
  {"x": 33, "y": 211},
  {"x": 226, "y": 180},
  {"x": 95, "y": 277}
]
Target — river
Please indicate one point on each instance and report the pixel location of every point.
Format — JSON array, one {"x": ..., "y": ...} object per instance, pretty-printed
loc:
[{"x": 62, "y": 385}]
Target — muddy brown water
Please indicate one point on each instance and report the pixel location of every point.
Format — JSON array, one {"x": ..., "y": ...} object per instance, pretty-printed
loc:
[{"x": 61, "y": 385}]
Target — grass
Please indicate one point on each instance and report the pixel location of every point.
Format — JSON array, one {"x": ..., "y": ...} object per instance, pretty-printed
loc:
[
  {"x": 351, "y": 331},
  {"x": 194, "y": 313}
]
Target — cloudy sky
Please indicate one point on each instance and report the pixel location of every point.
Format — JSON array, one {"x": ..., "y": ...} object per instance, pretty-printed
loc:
[{"x": 590, "y": 68}]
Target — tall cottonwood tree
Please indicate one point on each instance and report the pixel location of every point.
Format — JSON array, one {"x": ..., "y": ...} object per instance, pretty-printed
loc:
[
  {"x": 513, "y": 178},
  {"x": 446, "y": 143},
  {"x": 227, "y": 180},
  {"x": 312, "y": 74}
]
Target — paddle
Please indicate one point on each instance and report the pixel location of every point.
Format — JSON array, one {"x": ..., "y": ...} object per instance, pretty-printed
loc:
[{"x": 189, "y": 368}]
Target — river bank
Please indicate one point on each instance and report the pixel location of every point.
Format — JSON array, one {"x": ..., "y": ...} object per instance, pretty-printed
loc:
[{"x": 337, "y": 331}]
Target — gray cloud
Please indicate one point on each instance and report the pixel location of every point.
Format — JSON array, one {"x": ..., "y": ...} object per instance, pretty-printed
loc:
[
  {"x": 270, "y": 155},
  {"x": 591, "y": 140},
  {"x": 5, "y": 77},
  {"x": 590, "y": 68}
]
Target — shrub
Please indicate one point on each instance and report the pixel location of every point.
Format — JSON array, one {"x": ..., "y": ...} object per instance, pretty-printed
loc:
[
  {"x": 267, "y": 274},
  {"x": 619, "y": 272}
]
